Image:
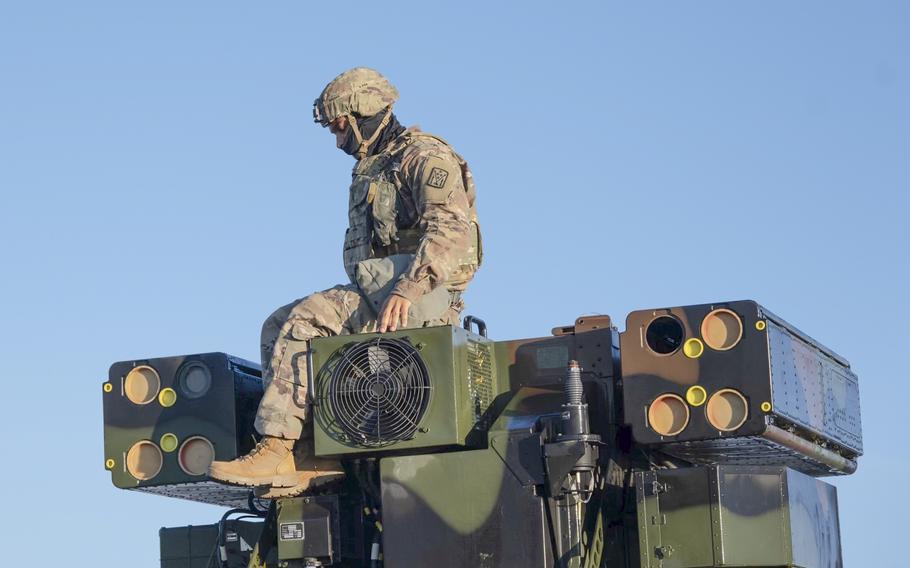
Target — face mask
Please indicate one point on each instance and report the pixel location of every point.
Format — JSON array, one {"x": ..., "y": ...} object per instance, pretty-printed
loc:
[
  {"x": 348, "y": 143},
  {"x": 370, "y": 131}
]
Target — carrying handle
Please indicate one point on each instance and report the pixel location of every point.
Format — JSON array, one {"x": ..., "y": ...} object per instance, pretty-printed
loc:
[{"x": 481, "y": 325}]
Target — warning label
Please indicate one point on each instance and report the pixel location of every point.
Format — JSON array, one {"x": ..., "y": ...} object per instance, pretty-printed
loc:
[{"x": 291, "y": 531}]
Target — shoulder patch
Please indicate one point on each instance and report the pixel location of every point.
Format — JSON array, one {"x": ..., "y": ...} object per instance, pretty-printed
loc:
[{"x": 437, "y": 178}]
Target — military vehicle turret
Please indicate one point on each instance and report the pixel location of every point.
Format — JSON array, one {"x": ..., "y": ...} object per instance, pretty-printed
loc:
[{"x": 695, "y": 438}]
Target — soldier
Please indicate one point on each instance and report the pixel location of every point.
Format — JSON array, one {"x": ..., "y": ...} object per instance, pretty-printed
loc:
[{"x": 411, "y": 247}]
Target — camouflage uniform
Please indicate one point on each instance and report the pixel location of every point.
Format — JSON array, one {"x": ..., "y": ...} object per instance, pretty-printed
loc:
[{"x": 415, "y": 197}]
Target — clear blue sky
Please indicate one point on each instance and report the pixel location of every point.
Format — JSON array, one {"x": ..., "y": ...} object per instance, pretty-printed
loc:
[{"x": 162, "y": 189}]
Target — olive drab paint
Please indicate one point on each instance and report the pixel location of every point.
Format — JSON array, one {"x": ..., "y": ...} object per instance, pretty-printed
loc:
[
  {"x": 736, "y": 516},
  {"x": 491, "y": 474},
  {"x": 483, "y": 479},
  {"x": 462, "y": 385}
]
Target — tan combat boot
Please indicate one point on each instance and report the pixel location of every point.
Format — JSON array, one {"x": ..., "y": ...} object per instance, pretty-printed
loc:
[
  {"x": 312, "y": 472},
  {"x": 271, "y": 462}
]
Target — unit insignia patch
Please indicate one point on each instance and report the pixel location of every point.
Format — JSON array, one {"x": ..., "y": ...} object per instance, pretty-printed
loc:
[{"x": 438, "y": 177}]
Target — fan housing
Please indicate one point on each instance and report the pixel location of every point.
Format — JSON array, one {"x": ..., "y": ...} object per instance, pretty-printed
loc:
[{"x": 416, "y": 388}]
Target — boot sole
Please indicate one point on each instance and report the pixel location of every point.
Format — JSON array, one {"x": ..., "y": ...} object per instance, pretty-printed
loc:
[
  {"x": 288, "y": 480},
  {"x": 275, "y": 492}
]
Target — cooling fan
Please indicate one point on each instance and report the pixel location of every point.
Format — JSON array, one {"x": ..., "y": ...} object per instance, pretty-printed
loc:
[
  {"x": 400, "y": 391},
  {"x": 377, "y": 391}
]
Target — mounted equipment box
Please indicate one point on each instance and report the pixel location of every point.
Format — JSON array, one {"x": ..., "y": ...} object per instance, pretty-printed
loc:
[
  {"x": 733, "y": 383},
  {"x": 748, "y": 517},
  {"x": 166, "y": 419},
  {"x": 406, "y": 390}
]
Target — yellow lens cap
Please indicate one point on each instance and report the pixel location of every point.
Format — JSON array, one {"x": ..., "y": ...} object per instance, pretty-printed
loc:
[
  {"x": 696, "y": 396},
  {"x": 168, "y": 442},
  {"x": 693, "y": 348},
  {"x": 167, "y": 397}
]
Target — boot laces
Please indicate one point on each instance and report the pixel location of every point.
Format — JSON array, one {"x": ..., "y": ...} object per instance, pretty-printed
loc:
[{"x": 260, "y": 447}]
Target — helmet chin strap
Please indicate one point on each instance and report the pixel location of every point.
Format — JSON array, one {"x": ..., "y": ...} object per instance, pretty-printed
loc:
[{"x": 365, "y": 144}]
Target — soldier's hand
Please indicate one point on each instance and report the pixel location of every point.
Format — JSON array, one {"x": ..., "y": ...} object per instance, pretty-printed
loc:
[{"x": 393, "y": 312}]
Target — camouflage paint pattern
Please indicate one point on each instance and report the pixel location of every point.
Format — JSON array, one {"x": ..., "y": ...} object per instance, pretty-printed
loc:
[
  {"x": 736, "y": 516},
  {"x": 490, "y": 513},
  {"x": 467, "y": 519},
  {"x": 483, "y": 506}
]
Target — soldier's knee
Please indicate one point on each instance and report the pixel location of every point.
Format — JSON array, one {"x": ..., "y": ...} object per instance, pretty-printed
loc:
[
  {"x": 271, "y": 327},
  {"x": 304, "y": 329},
  {"x": 314, "y": 316},
  {"x": 271, "y": 324}
]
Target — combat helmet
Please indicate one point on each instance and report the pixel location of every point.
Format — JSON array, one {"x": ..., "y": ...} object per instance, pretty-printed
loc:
[{"x": 360, "y": 91}]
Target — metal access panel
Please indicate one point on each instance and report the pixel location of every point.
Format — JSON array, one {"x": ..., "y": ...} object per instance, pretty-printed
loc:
[
  {"x": 166, "y": 418},
  {"x": 197, "y": 546},
  {"x": 733, "y": 383},
  {"x": 720, "y": 516},
  {"x": 457, "y": 509},
  {"x": 309, "y": 528},
  {"x": 451, "y": 379}
]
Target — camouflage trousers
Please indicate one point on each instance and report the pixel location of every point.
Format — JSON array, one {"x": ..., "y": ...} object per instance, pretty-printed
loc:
[{"x": 341, "y": 310}]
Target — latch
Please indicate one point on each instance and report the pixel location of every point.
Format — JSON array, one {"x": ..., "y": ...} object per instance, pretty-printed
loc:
[{"x": 662, "y": 552}]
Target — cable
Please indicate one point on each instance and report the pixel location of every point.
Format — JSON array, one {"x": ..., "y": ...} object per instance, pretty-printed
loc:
[
  {"x": 254, "y": 504},
  {"x": 220, "y": 545},
  {"x": 551, "y": 529}
]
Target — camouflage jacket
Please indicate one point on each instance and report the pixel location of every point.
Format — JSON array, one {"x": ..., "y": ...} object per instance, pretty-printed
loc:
[{"x": 415, "y": 197}]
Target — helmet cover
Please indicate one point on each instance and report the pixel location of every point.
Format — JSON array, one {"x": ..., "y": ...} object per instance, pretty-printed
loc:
[{"x": 361, "y": 91}]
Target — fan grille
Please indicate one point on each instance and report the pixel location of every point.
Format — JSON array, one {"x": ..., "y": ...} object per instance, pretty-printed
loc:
[{"x": 378, "y": 391}]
